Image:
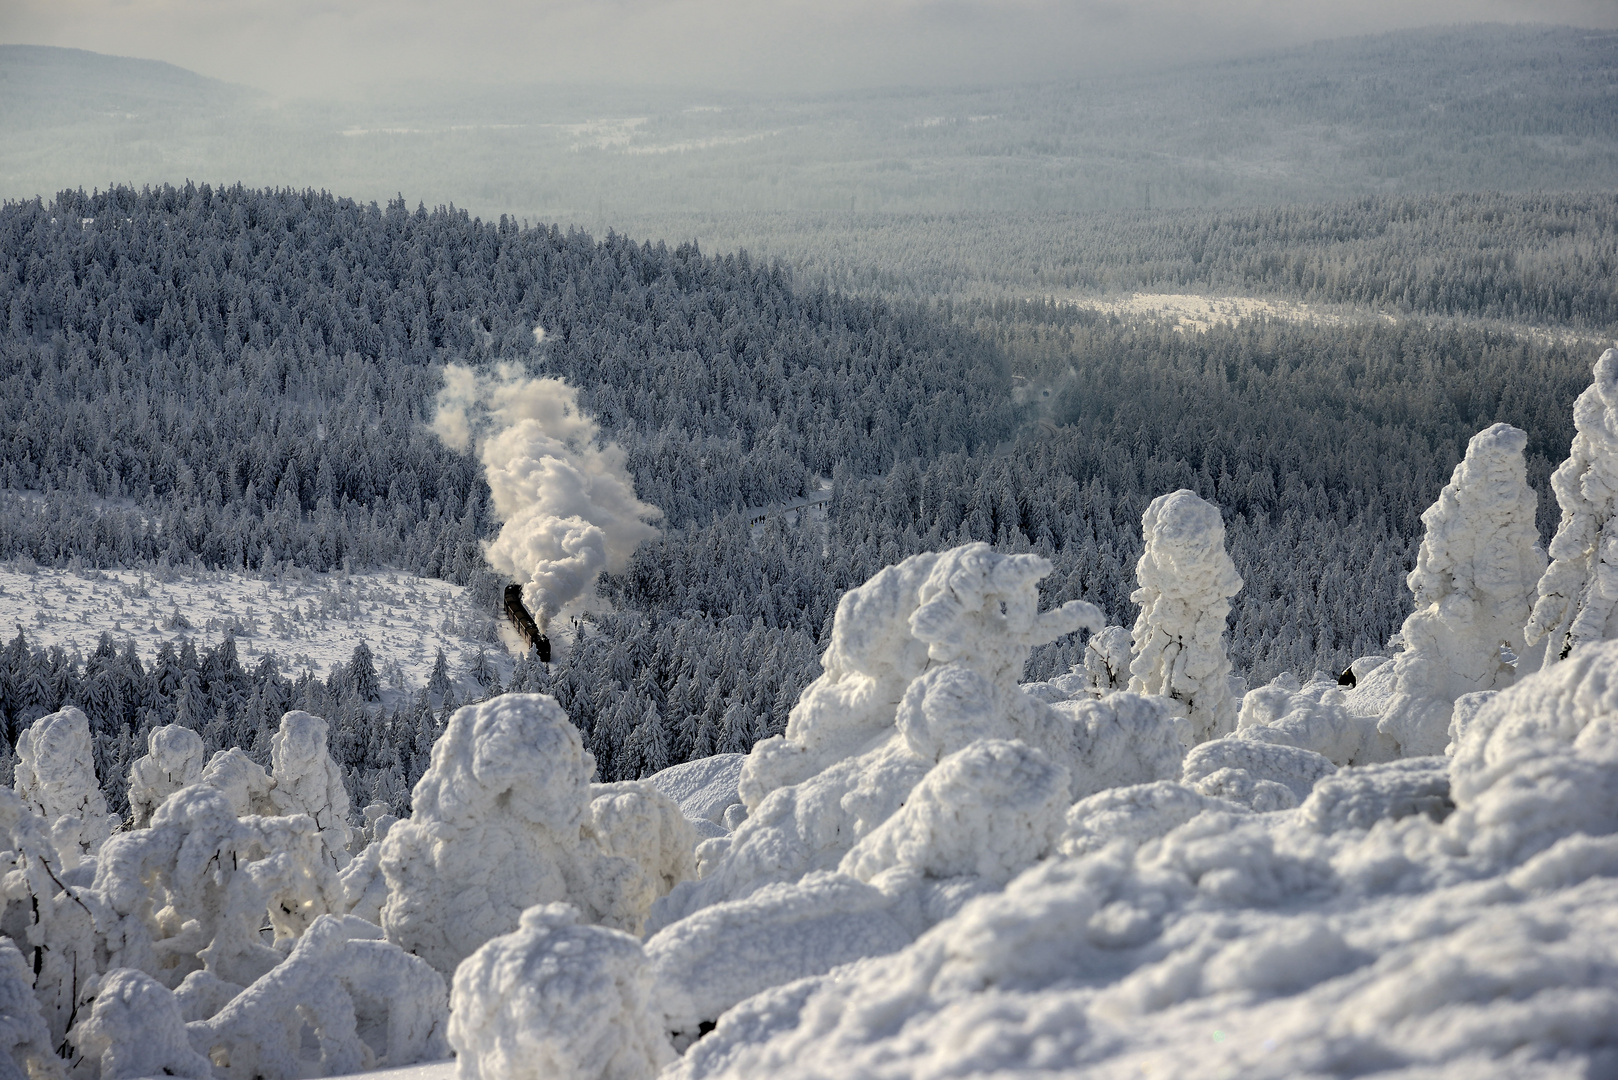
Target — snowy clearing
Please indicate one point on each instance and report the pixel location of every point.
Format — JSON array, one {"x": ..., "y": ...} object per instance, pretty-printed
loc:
[{"x": 305, "y": 620}]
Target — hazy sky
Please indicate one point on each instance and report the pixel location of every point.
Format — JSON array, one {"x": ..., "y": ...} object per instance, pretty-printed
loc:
[{"x": 311, "y": 46}]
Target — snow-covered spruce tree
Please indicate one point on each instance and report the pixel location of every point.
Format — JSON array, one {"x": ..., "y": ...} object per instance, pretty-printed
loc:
[
  {"x": 1474, "y": 586},
  {"x": 308, "y": 781},
  {"x": 1579, "y": 589},
  {"x": 55, "y": 779},
  {"x": 1186, "y": 581},
  {"x": 174, "y": 759}
]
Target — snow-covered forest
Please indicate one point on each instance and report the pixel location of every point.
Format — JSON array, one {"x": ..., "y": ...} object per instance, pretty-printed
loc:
[{"x": 940, "y": 686}]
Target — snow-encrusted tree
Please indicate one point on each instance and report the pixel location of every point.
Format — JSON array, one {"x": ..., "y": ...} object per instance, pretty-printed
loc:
[
  {"x": 1474, "y": 586},
  {"x": 1186, "y": 581},
  {"x": 1579, "y": 589}
]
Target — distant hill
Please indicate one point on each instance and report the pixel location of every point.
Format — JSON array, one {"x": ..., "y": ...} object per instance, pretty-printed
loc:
[{"x": 1489, "y": 107}]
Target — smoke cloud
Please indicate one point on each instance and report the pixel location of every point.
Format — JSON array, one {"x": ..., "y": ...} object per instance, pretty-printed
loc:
[{"x": 565, "y": 500}]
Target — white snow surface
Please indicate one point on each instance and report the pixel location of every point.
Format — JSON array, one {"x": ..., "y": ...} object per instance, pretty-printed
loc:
[{"x": 305, "y": 620}]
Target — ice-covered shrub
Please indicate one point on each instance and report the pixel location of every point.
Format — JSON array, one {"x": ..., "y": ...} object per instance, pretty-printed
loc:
[
  {"x": 135, "y": 1030},
  {"x": 556, "y": 1000},
  {"x": 1474, "y": 588},
  {"x": 308, "y": 781},
  {"x": 1106, "y": 659},
  {"x": 242, "y": 781},
  {"x": 193, "y": 890},
  {"x": 504, "y": 818},
  {"x": 49, "y": 917},
  {"x": 1186, "y": 581},
  {"x": 879, "y": 718},
  {"x": 25, "y": 1041},
  {"x": 174, "y": 759},
  {"x": 1578, "y": 590},
  {"x": 55, "y": 776},
  {"x": 365, "y": 1003}
]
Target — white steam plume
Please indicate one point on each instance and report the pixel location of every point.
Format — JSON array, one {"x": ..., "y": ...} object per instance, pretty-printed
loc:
[{"x": 566, "y": 502}]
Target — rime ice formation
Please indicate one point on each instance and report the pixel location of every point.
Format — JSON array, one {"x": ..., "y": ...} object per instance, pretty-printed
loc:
[
  {"x": 135, "y": 1030},
  {"x": 25, "y": 1041},
  {"x": 56, "y": 778},
  {"x": 1474, "y": 586},
  {"x": 174, "y": 759},
  {"x": 1425, "y": 916},
  {"x": 566, "y": 499},
  {"x": 934, "y": 784},
  {"x": 1316, "y": 717},
  {"x": 1106, "y": 659},
  {"x": 1580, "y": 587},
  {"x": 987, "y": 810},
  {"x": 556, "y": 1000},
  {"x": 365, "y": 1003},
  {"x": 1186, "y": 582},
  {"x": 192, "y": 891},
  {"x": 308, "y": 781},
  {"x": 879, "y": 718},
  {"x": 505, "y": 817}
]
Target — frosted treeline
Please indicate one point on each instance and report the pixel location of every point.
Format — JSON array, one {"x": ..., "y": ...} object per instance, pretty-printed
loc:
[{"x": 934, "y": 869}]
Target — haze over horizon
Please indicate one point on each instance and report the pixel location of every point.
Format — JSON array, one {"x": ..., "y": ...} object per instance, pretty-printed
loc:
[{"x": 304, "y": 48}]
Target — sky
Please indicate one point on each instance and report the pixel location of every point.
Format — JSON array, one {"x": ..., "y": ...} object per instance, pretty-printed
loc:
[{"x": 295, "y": 48}]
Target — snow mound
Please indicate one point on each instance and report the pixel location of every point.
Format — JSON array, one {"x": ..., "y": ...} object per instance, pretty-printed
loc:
[
  {"x": 25, "y": 1041},
  {"x": 1261, "y": 775},
  {"x": 1316, "y": 718},
  {"x": 705, "y": 788},
  {"x": 988, "y": 810},
  {"x": 726, "y": 953},
  {"x": 556, "y": 1000},
  {"x": 1186, "y": 581},
  {"x": 366, "y": 1004}
]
